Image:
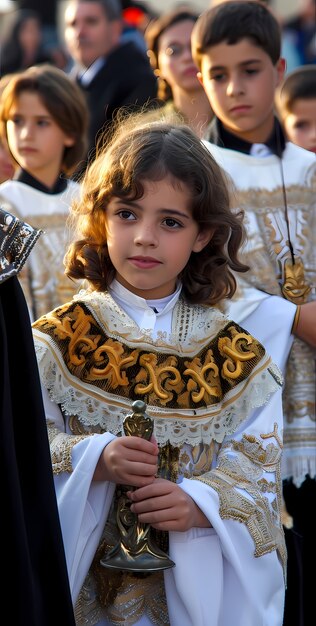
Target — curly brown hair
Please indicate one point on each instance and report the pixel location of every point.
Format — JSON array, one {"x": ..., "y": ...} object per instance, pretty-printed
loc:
[{"x": 151, "y": 151}]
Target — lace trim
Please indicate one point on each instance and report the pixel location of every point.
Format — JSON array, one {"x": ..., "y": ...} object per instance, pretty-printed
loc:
[
  {"x": 211, "y": 424},
  {"x": 61, "y": 446},
  {"x": 197, "y": 391}
]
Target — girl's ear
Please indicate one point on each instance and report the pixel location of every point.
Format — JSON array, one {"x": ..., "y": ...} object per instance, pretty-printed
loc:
[
  {"x": 200, "y": 78},
  {"x": 202, "y": 239}
]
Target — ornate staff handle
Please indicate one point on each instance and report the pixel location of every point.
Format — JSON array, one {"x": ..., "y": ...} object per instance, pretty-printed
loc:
[{"x": 135, "y": 550}]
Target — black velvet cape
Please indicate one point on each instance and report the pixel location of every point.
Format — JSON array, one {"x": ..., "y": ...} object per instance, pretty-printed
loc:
[{"x": 34, "y": 573}]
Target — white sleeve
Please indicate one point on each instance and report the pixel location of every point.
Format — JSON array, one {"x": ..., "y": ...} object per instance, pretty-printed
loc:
[
  {"x": 234, "y": 572},
  {"x": 83, "y": 505}
]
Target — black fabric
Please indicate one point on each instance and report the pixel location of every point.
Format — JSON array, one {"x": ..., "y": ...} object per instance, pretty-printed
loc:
[
  {"x": 125, "y": 80},
  {"x": 33, "y": 560},
  {"x": 300, "y": 543},
  {"x": 220, "y": 136},
  {"x": 59, "y": 186}
]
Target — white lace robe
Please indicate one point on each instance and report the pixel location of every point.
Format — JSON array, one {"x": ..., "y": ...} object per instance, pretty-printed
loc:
[{"x": 232, "y": 572}]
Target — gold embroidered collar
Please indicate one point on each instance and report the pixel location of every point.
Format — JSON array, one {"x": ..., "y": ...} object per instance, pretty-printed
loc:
[{"x": 95, "y": 362}]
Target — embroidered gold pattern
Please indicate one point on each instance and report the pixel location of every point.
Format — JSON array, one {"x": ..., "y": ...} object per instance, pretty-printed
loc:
[
  {"x": 157, "y": 376},
  {"x": 245, "y": 470},
  {"x": 204, "y": 377},
  {"x": 137, "y": 596},
  {"x": 235, "y": 350},
  {"x": 294, "y": 287},
  {"x": 160, "y": 380},
  {"x": 61, "y": 446},
  {"x": 199, "y": 374}
]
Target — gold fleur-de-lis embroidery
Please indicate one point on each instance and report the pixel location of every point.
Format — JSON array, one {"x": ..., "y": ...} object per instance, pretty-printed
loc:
[
  {"x": 77, "y": 331},
  {"x": 199, "y": 374},
  {"x": 115, "y": 363},
  {"x": 234, "y": 349},
  {"x": 157, "y": 375}
]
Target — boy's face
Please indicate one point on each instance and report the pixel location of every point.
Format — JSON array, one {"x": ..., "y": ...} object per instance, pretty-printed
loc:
[
  {"x": 300, "y": 123},
  {"x": 240, "y": 81}
]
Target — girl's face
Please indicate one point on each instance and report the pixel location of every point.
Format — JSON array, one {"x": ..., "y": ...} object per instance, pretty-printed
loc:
[
  {"x": 150, "y": 240},
  {"x": 175, "y": 61},
  {"x": 300, "y": 123},
  {"x": 30, "y": 35},
  {"x": 35, "y": 140}
]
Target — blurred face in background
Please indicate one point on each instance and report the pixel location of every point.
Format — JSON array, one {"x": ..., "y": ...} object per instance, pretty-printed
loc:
[
  {"x": 175, "y": 62},
  {"x": 35, "y": 140},
  {"x": 300, "y": 123},
  {"x": 89, "y": 34},
  {"x": 30, "y": 35}
]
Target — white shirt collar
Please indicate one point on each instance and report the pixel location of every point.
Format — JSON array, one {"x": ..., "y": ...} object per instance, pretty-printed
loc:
[
  {"x": 260, "y": 150},
  {"x": 87, "y": 75},
  {"x": 141, "y": 310}
]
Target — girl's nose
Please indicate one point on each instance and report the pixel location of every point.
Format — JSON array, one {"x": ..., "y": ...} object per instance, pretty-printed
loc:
[
  {"x": 146, "y": 236},
  {"x": 26, "y": 130}
]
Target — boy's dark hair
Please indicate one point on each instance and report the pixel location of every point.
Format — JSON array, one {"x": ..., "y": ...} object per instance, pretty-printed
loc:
[
  {"x": 301, "y": 83},
  {"x": 153, "y": 33},
  {"x": 62, "y": 98},
  {"x": 154, "y": 151},
  {"x": 232, "y": 21}
]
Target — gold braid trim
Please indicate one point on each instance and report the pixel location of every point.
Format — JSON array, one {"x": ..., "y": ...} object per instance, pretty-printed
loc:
[
  {"x": 296, "y": 319},
  {"x": 235, "y": 506},
  {"x": 61, "y": 446}
]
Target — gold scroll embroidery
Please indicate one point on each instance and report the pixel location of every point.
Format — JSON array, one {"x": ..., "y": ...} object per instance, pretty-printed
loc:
[{"x": 159, "y": 379}]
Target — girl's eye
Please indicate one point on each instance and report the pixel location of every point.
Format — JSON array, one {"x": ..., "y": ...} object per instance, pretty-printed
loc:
[
  {"x": 16, "y": 119},
  {"x": 125, "y": 214},
  {"x": 218, "y": 77},
  {"x": 251, "y": 72},
  {"x": 171, "y": 223},
  {"x": 300, "y": 124}
]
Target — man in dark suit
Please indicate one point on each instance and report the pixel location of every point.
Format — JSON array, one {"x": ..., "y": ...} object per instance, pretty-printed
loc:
[{"x": 112, "y": 70}]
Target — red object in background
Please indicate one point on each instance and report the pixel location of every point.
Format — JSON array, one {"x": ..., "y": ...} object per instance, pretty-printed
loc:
[{"x": 133, "y": 16}]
